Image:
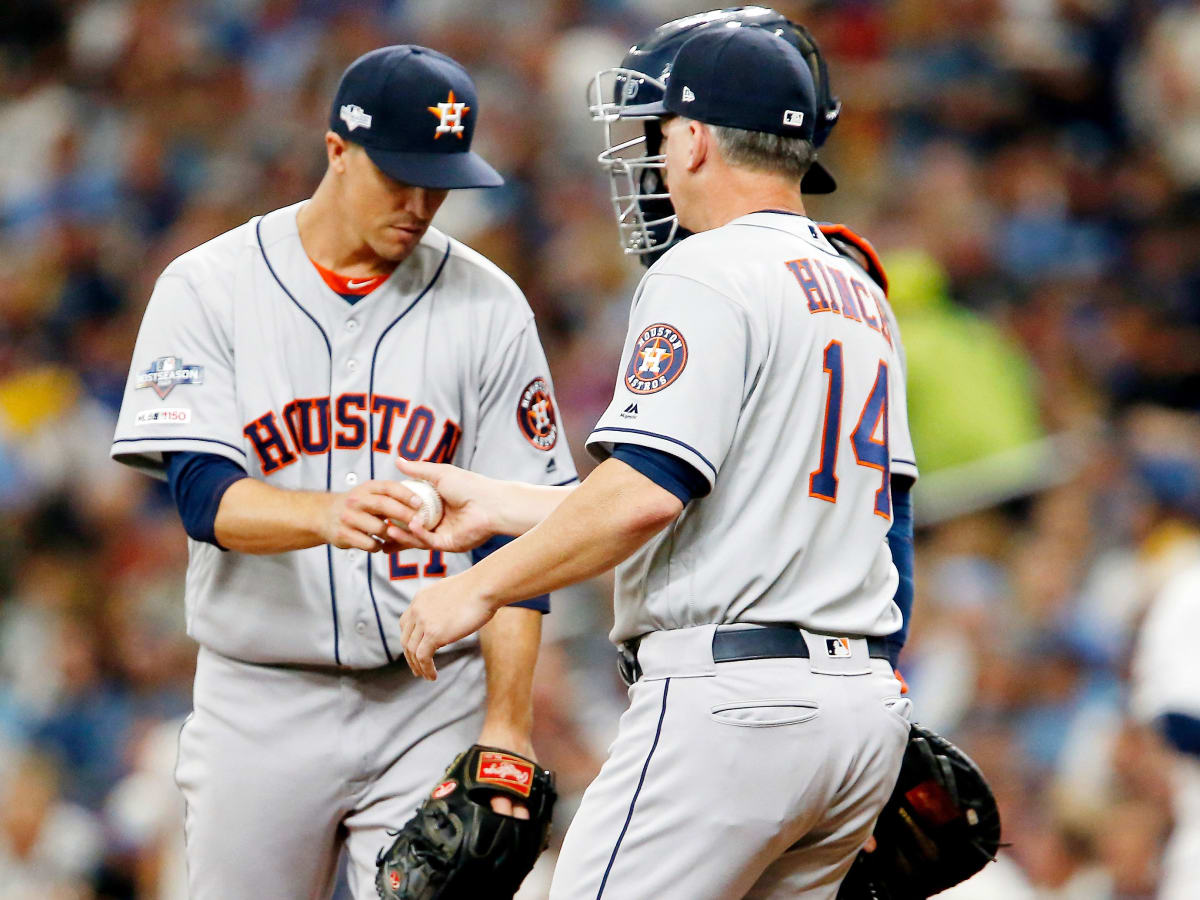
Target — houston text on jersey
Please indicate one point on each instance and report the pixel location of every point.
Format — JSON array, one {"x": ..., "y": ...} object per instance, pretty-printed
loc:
[{"x": 307, "y": 427}]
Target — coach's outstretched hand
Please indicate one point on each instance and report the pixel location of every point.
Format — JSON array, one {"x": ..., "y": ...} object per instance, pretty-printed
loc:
[
  {"x": 441, "y": 614},
  {"x": 468, "y": 504}
]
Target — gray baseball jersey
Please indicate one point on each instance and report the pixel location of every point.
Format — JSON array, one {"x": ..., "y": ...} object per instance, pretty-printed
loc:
[
  {"x": 771, "y": 364},
  {"x": 245, "y": 352}
]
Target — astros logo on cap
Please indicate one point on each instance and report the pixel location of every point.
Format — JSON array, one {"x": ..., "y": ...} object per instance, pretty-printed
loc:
[
  {"x": 658, "y": 359},
  {"x": 450, "y": 113}
]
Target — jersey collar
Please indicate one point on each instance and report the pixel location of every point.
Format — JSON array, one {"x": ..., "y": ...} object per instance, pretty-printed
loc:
[{"x": 786, "y": 220}]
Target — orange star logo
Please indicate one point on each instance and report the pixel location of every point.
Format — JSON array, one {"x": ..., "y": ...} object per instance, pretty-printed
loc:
[{"x": 450, "y": 115}]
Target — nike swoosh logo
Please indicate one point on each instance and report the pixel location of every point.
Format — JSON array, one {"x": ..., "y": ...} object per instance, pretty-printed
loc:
[{"x": 355, "y": 285}]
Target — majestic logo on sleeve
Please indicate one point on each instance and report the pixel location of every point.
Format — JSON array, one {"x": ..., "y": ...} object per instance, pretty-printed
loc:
[
  {"x": 535, "y": 415},
  {"x": 166, "y": 372},
  {"x": 450, "y": 115},
  {"x": 658, "y": 359}
]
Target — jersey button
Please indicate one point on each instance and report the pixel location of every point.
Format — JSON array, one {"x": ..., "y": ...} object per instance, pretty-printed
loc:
[
  {"x": 352, "y": 324},
  {"x": 352, "y": 365},
  {"x": 351, "y": 478},
  {"x": 360, "y": 627}
]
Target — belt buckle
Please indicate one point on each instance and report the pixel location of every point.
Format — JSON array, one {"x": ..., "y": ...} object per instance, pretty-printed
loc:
[{"x": 627, "y": 664}]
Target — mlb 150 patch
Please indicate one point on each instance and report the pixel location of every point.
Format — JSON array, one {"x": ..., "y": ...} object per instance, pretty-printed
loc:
[
  {"x": 535, "y": 415},
  {"x": 658, "y": 359},
  {"x": 169, "y": 415}
]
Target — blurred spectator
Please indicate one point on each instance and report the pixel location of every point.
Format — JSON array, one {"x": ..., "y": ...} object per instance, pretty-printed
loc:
[{"x": 49, "y": 849}]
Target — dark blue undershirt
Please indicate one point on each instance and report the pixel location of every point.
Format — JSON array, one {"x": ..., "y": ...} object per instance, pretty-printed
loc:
[
  {"x": 198, "y": 481},
  {"x": 669, "y": 472},
  {"x": 900, "y": 541}
]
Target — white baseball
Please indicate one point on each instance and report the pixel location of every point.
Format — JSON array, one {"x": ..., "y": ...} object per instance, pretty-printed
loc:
[{"x": 431, "y": 502}]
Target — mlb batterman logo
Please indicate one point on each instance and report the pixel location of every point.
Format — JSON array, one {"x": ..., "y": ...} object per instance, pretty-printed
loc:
[
  {"x": 450, "y": 115},
  {"x": 535, "y": 415},
  {"x": 658, "y": 359},
  {"x": 838, "y": 648}
]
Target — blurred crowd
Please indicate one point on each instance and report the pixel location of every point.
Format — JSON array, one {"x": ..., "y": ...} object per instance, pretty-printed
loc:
[{"x": 1030, "y": 171}]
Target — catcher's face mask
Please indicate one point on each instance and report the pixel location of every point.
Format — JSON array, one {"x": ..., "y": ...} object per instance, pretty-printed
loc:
[{"x": 633, "y": 159}]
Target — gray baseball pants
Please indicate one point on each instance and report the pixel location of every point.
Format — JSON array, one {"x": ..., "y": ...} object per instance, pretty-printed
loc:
[
  {"x": 282, "y": 766},
  {"x": 759, "y": 778}
]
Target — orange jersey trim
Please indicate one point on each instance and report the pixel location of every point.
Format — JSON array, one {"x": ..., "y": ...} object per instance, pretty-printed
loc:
[{"x": 340, "y": 284}]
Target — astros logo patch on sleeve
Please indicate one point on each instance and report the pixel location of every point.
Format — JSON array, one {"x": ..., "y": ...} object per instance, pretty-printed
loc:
[
  {"x": 658, "y": 359},
  {"x": 535, "y": 415}
]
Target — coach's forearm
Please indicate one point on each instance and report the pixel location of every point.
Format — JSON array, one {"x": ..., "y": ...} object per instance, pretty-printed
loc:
[
  {"x": 510, "y": 648},
  {"x": 594, "y": 527},
  {"x": 257, "y": 518},
  {"x": 517, "y": 507}
]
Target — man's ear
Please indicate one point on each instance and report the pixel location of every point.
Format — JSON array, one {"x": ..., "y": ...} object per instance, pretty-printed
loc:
[
  {"x": 699, "y": 145},
  {"x": 335, "y": 151}
]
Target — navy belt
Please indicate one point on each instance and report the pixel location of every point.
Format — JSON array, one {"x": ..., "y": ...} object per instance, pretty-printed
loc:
[{"x": 738, "y": 644}]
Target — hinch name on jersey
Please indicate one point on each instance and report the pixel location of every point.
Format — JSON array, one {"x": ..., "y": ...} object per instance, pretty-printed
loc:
[
  {"x": 828, "y": 289},
  {"x": 306, "y": 428}
]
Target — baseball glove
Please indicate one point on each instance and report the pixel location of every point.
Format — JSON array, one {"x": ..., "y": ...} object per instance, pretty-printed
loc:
[
  {"x": 939, "y": 827},
  {"x": 455, "y": 846}
]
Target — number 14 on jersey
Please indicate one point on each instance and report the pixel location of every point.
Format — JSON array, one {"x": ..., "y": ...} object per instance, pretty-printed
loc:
[{"x": 868, "y": 452}]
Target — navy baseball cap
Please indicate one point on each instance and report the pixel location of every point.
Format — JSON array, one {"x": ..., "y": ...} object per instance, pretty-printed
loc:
[
  {"x": 739, "y": 77},
  {"x": 413, "y": 110}
]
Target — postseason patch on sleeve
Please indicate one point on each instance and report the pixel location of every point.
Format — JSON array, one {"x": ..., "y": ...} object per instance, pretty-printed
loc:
[
  {"x": 535, "y": 415},
  {"x": 659, "y": 356},
  {"x": 166, "y": 372}
]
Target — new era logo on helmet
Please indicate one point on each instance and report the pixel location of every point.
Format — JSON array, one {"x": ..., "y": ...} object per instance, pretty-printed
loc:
[
  {"x": 793, "y": 117},
  {"x": 354, "y": 117},
  {"x": 687, "y": 96}
]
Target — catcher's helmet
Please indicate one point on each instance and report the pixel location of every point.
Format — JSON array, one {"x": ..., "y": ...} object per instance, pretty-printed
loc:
[{"x": 645, "y": 216}]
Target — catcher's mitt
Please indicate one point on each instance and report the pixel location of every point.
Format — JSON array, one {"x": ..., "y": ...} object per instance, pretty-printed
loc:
[
  {"x": 939, "y": 827},
  {"x": 455, "y": 846}
]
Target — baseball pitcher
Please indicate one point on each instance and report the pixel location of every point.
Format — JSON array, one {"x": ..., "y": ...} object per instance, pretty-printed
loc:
[{"x": 279, "y": 371}]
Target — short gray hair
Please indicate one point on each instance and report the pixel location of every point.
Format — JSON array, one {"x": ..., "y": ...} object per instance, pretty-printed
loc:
[{"x": 765, "y": 152}]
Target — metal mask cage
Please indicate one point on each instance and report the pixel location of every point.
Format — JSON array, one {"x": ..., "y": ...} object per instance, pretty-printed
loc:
[{"x": 634, "y": 173}]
